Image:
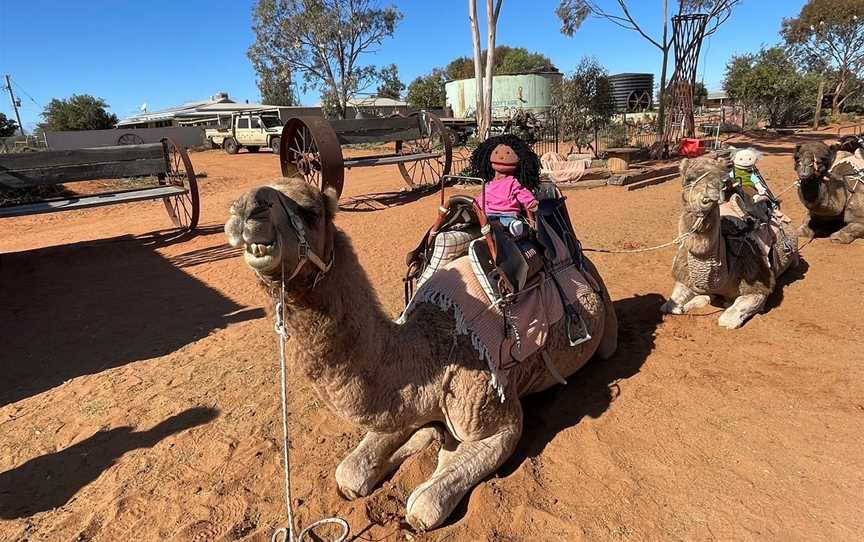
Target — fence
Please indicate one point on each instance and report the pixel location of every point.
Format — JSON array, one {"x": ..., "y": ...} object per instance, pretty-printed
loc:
[{"x": 543, "y": 138}]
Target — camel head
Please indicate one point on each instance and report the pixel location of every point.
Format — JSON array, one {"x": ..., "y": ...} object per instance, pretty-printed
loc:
[
  {"x": 704, "y": 179},
  {"x": 812, "y": 160},
  {"x": 285, "y": 229}
]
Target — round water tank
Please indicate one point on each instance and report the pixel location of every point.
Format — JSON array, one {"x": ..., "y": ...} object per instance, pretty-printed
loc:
[{"x": 632, "y": 92}]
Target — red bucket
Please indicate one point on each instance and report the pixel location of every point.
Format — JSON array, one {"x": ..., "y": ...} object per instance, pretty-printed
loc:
[{"x": 691, "y": 147}]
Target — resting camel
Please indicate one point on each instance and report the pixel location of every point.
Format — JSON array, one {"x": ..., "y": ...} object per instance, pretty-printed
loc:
[
  {"x": 401, "y": 383},
  {"x": 826, "y": 194},
  {"x": 705, "y": 267}
]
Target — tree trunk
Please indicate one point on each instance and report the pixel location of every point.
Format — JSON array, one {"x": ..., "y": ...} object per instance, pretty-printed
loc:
[
  {"x": 480, "y": 109},
  {"x": 492, "y": 23},
  {"x": 837, "y": 99},
  {"x": 819, "y": 95},
  {"x": 661, "y": 95}
]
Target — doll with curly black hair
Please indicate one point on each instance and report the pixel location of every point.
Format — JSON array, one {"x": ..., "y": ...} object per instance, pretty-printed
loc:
[{"x": 511, "y": 170}]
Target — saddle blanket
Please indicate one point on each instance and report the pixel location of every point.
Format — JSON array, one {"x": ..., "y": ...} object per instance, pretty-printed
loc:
[{"x": 502, "y": 336}]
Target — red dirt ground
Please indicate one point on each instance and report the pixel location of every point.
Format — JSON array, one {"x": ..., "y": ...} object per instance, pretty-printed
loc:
[{"x": 140, "y": 389}]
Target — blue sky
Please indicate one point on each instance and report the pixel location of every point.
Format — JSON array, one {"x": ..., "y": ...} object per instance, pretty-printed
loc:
[{"x": 167, "y": 52}]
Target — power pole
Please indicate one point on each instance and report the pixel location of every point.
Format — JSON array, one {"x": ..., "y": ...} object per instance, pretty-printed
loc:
[{"x": 15, "y": 103}]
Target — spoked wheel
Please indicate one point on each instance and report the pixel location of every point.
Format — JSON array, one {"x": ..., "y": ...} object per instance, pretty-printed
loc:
[
  {"x": 130, "y": 139},
  {"x": 182, "y": 208},
  {"x": 310, "y": 149},
  {"x": 639, "y": 101},
  {"x": 434, "y": 140}
]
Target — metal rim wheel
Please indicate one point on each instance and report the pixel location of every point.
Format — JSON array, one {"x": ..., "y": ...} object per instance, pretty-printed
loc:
[
  {"x": 639, "y": 100},
  {"x": 230, "y": 146},
  {"x": 130, "y": 139},
  {"x": 184, "y": 208},
  {"x": 309, "y": 148},
  {"x": 435, "y": 138}
]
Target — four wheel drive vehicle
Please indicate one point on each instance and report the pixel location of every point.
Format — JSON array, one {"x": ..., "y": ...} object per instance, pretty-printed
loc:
[{"x": 249, "y": 130}]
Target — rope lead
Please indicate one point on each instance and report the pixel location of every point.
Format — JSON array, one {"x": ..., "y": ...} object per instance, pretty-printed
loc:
[{"x": 286, "y": 534}]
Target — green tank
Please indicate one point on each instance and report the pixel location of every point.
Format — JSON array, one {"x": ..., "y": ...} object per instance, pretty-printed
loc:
[{"x": 529, "y": 91}]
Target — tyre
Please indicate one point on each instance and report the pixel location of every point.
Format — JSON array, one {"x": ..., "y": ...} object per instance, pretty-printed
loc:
[
  {"x": 230, "y": 146},
  {"x": 274, "y": 144},
  {"x": 253, "y": 148}
]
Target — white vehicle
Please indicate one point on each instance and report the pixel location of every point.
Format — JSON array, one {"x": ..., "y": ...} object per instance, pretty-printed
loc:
[{"x": 251, "y": 130}]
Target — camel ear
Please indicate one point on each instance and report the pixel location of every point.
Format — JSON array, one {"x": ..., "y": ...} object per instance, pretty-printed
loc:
[
  {"x": 683, "y": 167},
  {"x": 331, "y": 201}
]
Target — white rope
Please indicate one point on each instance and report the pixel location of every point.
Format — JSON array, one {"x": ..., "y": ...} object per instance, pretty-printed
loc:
[
  {"x": 677, "y": 241},
  {"x": 286, "y": 534}
]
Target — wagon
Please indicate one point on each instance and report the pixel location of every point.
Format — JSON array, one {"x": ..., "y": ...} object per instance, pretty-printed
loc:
[
  {"x": 151, "y": 171},
  {"x": 311, "y": 147}
]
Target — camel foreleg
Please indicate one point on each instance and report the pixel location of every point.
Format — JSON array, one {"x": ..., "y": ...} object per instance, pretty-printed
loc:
[
  {"x": 742, "y": 309},
  {"x": 379, "y": 455},
  {"x": 683, "y": 300},
  {"x": 852, "y": 231},
  {"x": 461, "y": 466}
]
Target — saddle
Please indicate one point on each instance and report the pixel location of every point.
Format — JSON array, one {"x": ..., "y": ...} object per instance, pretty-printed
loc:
[{"x": 509, "y": 263}]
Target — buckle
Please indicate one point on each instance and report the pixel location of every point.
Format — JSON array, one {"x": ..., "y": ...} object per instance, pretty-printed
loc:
[{"x": 303, "y": 250}]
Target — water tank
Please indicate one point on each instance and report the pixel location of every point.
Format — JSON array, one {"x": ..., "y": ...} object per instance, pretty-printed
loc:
[
  {"x": 528, "y": 91},
  {"x": 632, "y": 92}
]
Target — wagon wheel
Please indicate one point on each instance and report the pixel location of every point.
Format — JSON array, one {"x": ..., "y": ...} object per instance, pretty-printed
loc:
[
  {"x": 182, "y": 208},
  {"x": 310, "y": 149},
  {"x": 130, "y": 139},
  {"x": 434, "y": 139},
  {"x": 639, "y": 100}
]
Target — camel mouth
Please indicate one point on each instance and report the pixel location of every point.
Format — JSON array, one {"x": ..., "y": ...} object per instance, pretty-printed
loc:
[{"x": 262, "y": 257}]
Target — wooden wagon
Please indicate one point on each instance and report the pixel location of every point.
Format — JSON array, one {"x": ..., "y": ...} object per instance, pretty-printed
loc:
[
  {"x": 150, "y": 171},
  {"x": 312, "y": 148}
]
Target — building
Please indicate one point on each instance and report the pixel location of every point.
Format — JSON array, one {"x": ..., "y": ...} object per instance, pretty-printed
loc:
[{"x": 219, "y": 108}]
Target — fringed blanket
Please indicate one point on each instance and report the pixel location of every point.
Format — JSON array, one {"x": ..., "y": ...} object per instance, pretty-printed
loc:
[{"x": 502, "y": 335}]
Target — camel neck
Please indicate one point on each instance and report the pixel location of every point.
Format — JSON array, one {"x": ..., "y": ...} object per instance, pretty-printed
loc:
[
  {"x": 339, "y": 335},
  {"x": 704, "y": 244}
]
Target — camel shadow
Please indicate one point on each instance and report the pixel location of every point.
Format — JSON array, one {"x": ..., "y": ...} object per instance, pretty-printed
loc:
[
  {"x": 791, "y": 276},
  {"x": 592, "y": 389},
  {"x": 48, "y": 481},
  {"x": 589, "y": 392},
  {"x": 78, "y": 309}
]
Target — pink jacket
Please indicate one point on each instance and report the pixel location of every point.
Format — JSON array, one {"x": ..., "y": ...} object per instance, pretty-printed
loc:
[{"x": 505, "y": 196}]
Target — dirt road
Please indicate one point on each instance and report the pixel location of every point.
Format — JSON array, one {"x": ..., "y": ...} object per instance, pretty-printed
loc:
[{"x": 139, "y": 396}]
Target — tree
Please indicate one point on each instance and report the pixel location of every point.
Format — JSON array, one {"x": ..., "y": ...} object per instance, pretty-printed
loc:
[
  {"x": 574, "y": 12},
  {"x": 8, "y": 127},
  {"x": 769, "y": 85},
  {"x": 323, "y": 41},
  {"x": 391, "y": 86},
  {"x": 583, "y": 102},
  {"x": 275, "y": 85},
  {"x": 79, "y": 112},
  {"x": 700, "y": 94},
  {"x": 520, "y": 60},
  {"x": 507, "y": 60},
  {"x": 427, "y": 92},
  {"x": 828, "y": 35},
  {"x": 460, "y": 68},
  {"x": 484, "y": 81}
]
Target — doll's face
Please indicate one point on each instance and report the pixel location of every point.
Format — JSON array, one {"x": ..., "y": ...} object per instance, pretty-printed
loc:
[{"x": 504, "y": 159}]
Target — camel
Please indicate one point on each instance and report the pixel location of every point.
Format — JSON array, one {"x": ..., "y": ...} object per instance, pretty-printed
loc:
[
  {"x": 829, "y": 197},
  {"x": 406, "y": 385},
  {"x": 705, "y": 267}
]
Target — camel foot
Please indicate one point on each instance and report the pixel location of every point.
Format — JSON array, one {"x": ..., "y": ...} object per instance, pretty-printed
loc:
[
  {"x": 461, "y": 466},
  {"x": 806, "y": 232},
  {"x": 842, "y": 238},
  {"x": 379, "y": 455},
  {"x": 742, "y": 309},
  {"x": 697, "y": 302},
  {"x": 678, "y": 300}
]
